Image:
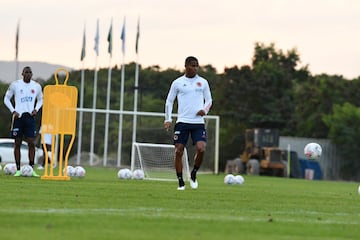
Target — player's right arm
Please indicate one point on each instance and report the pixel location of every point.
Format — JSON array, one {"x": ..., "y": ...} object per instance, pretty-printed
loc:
[
  {"x": 7, "y": 98},
  {"x": 169, "y": 106}
]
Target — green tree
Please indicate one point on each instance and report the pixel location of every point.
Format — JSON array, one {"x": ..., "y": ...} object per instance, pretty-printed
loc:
[
  {"x": 260, "y": 95},
  {"x": 344, "y": 131},
  {"x": 5, "y": 115},
  {"x": 314, "y": 99},
  {"x": 276, "y": 74}
]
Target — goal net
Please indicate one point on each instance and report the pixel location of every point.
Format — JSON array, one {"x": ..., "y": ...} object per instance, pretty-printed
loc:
[
  {"x": 116, "y": 150},
  {"x": 157, "y": 161}
]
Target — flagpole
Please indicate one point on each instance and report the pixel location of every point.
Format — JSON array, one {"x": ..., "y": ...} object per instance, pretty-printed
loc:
[
  {"x": 108, "y": 98},
  {"x": 80, "y": 116},
  {"x": 107, "y": 115},
  {"x": 135, "y": 116},
  {"x": 135, "y": 98},
  {"x": 81, "y": 99},
  {"x": 96, "y": 48},
  {"x": 121, "y": 115},
  {"x": 121, "y": 95},
  {"x": 93, "y": 117},
  {"x": 17, "y": 50}
]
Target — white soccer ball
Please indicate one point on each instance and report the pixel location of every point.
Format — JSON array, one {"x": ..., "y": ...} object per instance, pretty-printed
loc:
[
  {"x": 239, "y": 179},
  {"x": 70, "y": 171},
  {"x": 229, "y": 179},
  {"x": 313, "y": 151},
  {"x": 79, "y": 171},
  {"x": 138, "y": 174},
  {"x": 10, "y": 168},
  {"x": 26, "y": 171},
  {"x": 124, "y": 173}
]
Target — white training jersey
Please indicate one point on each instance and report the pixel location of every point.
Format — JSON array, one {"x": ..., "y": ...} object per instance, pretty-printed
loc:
[
  {"x": 25, "y": 96},
  {"x": 193, "y": 95},
  {"x": 47, "y": 138}
]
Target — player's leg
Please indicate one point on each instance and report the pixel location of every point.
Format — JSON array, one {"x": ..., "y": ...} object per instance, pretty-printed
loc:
[
  {"x": 43, "y": 158},
  {"x": 17, "y": 155},
  {"x": 198, "y": 135},
  {"x": 48, "y": 148},
  {"x": 16, "y": 133},
  {"x": 181, "y": 135},
  {"x": 48, "y": 142},
  {"x": 31, "y": 150},
  {"x": 200, "y": 147},
  {"x": 179, "y": 152},
  {"x": 30, "y": 134}
]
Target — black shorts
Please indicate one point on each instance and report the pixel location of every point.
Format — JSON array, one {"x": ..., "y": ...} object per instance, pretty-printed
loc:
[
  {"x": 182, "y": 132},
  {"x": 24, "y": 126}
]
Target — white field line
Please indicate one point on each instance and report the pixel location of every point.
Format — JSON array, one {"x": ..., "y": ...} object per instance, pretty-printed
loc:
[{"x": 275, "y": 216}]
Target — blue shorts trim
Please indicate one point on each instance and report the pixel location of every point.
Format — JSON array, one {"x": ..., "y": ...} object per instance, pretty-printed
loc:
[
  {"x": 24, "y": 127},
  {"x": 182, "y": 131}
]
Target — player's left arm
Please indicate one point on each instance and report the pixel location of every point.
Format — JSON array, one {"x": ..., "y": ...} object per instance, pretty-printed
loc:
[
  {"x": 208, "y": 98},
  {"x": 39, "y": 101}
]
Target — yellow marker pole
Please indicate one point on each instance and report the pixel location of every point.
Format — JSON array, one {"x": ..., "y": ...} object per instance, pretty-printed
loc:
[{"x": 59, "y": 118}]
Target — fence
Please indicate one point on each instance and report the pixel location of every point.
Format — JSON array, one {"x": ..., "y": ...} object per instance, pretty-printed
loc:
[{"x": 329, "y": 160}]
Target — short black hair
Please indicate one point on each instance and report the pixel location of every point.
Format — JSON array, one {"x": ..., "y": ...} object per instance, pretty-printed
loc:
[
  {"x": 26, "y": 68},
  {"x": 190, "y": 59}
]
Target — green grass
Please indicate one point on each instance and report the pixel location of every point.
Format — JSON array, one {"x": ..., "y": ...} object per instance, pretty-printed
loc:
[{"x": 101, "y": 206}]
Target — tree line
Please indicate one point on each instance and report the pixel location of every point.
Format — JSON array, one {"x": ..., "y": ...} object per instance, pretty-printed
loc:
[{"x": 274, "y": 91}]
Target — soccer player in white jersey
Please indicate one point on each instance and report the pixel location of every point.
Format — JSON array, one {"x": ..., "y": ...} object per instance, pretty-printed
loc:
[
  {"x": 28, "y": 99},
  {"x": 194, "y": 101},
  {"x": 47, "y": 148}
]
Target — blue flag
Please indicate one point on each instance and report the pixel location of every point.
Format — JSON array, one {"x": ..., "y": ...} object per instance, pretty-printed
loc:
[
  {"x": 17, "y": 41},
  {"x": 83, "y": 46},
  {"x": 109, "y": 39},
  {"x": 122, "y": 37},
  {"x": 137, "y": 36}
]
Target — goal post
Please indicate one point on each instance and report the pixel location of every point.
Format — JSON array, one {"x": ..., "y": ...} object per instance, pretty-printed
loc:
[
  {"x": 148, "y": 128},
  {"x": 157, "y": 161}
]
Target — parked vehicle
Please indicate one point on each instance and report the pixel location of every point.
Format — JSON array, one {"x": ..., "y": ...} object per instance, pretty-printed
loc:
[
  {"x": 7, "y": 152},
  {"x": 261, "y": 155}
]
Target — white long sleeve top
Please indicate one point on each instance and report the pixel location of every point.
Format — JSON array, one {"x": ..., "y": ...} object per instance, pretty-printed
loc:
[
  {"x": 193, "y": 95},
  {"x": 26, "y": 95}
]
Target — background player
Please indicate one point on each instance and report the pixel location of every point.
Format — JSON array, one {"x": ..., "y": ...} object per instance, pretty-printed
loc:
[
  {"x": 194, "y": 102},
  {"x": 28, "y": 99}
]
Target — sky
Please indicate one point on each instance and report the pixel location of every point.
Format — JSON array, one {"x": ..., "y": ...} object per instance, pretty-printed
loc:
[{"x": 325, "y": 33}]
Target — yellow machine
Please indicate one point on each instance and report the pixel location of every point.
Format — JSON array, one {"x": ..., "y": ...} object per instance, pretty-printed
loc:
[
  {"x": 262, "y": 154},
  {"x": 59, "y": 118}
]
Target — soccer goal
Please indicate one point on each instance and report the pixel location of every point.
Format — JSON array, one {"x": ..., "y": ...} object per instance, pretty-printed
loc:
[
  {"x": 142, "y": 127},
  {"x": 157, "y": 161}
]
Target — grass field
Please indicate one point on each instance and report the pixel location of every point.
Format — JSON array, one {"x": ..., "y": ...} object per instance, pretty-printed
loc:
[{"x": 101, "y": 206}]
